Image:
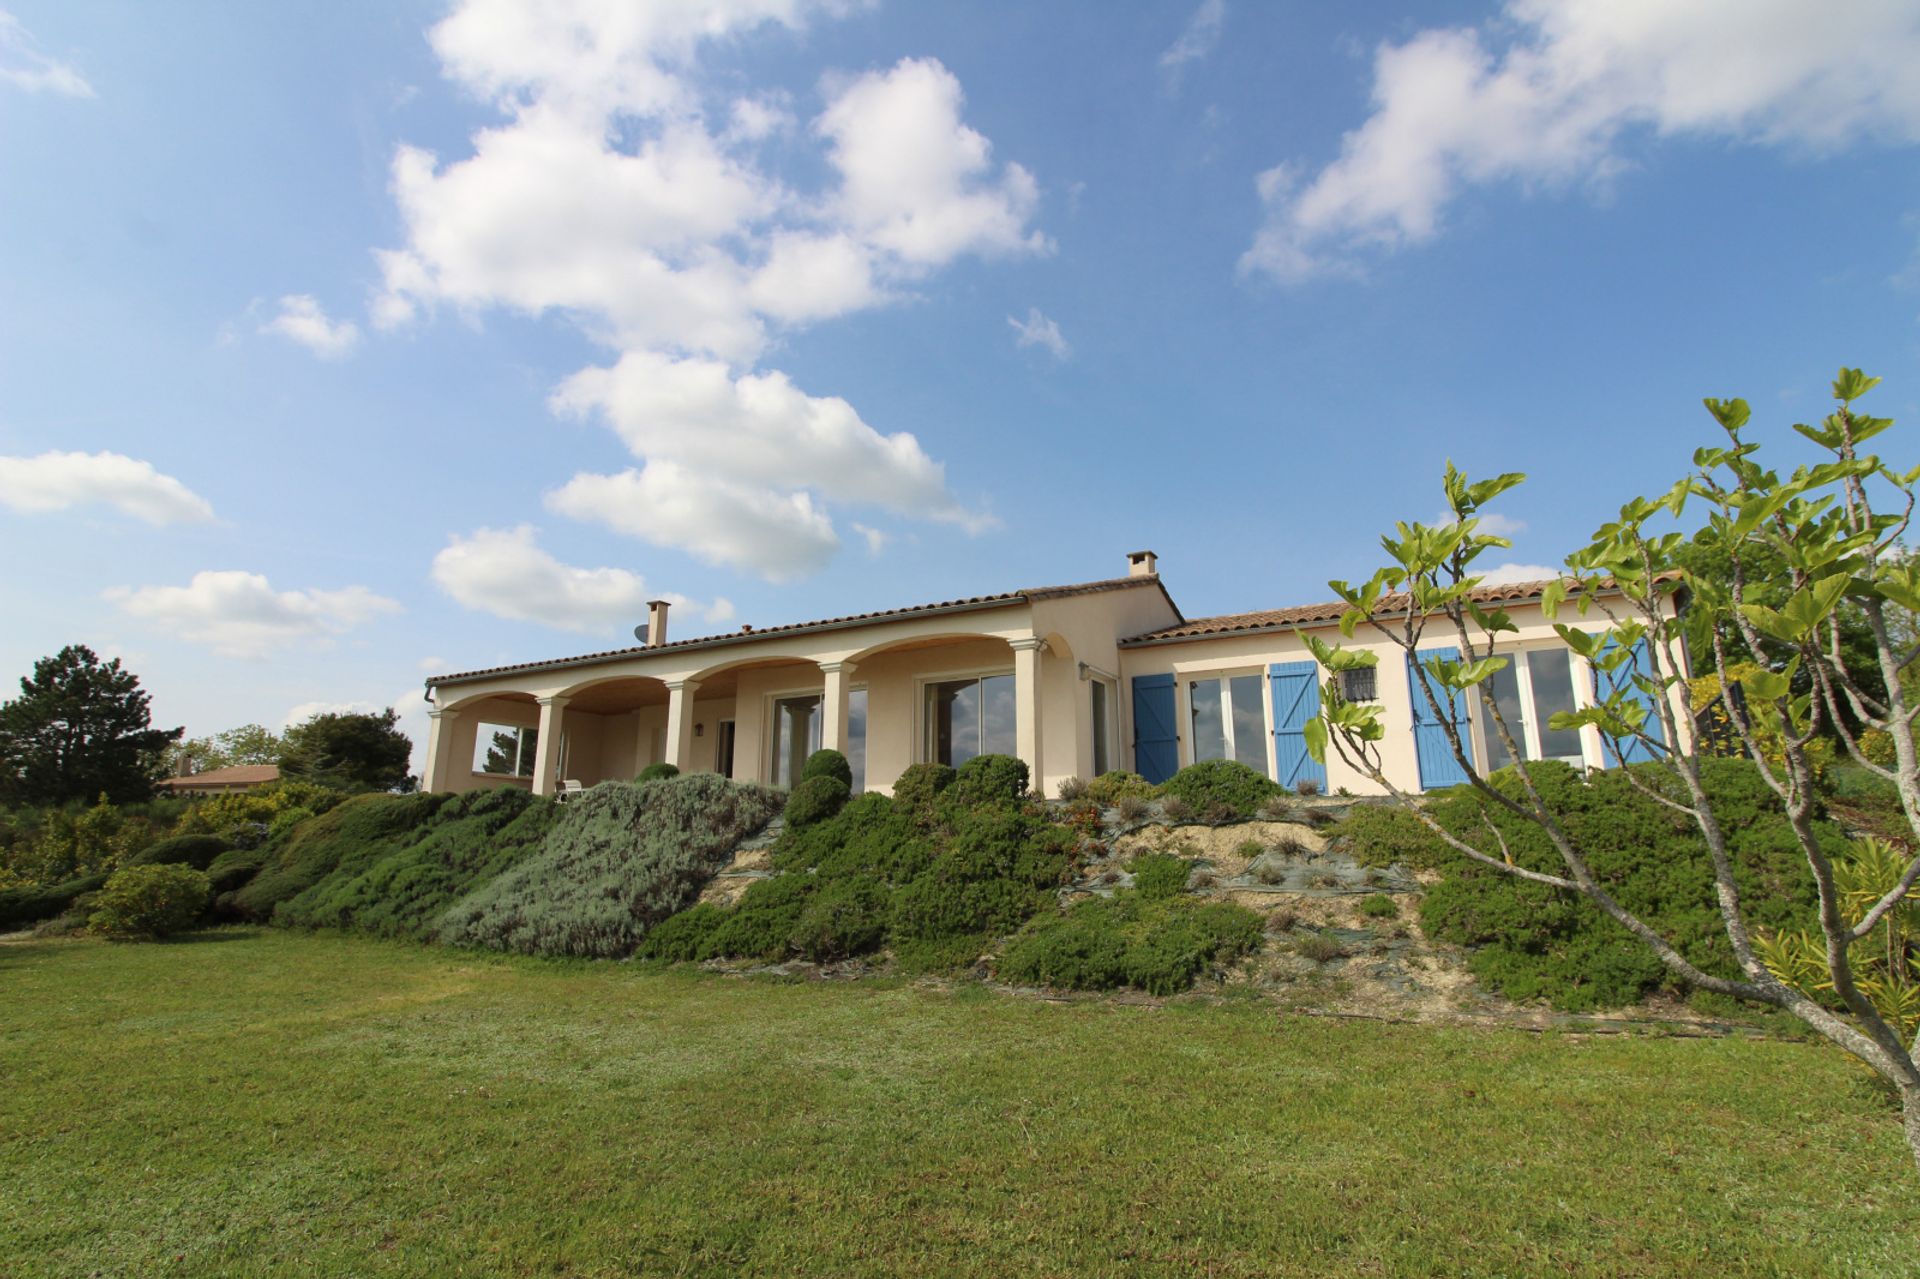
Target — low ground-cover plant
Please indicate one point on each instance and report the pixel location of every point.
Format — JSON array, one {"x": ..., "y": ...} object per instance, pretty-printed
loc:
[
  {"x": 1160, "y": 874},
  {"x": 954, "y": 859},
  {"x": 1379, "y": 906},
  {"x": 1158, "y": 941},
  {"x": 197, "y": 851},
  {"x": 1536, "y": 941},
  {"x": 1220, "y": 790},
  {"x": 347, "y": 837},
  {"x": 618, "y": 860},
  {"x": 409, "y": 882},
  {"x": 29, "y": 904},
  {"x": 150, "y": 901}
]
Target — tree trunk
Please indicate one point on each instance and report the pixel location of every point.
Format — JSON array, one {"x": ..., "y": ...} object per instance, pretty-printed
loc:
[{"x": 1910, "y": 1105}]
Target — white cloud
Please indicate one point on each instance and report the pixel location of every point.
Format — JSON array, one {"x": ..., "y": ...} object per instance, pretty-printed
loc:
[
  {"x": 1501, "y": 574},
  {"x": 23, "y": 66},
  {"x": 915, "y": 180},
  {"x": 1561, "y": 101},
  {"x": 239, "y": 614},
  {"x": 605, "y": 194},
  {"x": 1038, "y": 330},
  {"x": 303, "y": 320},
  {"x": 1196, "y": 41},
  {"x": 1491, "y": 522},
  {"x": 759, "y": 429},
  {"x": 504, "y": 572},
  {"x": 876, "y": 539},
  {"x": 780, "y": 536},
  {"x": 56, "y": 481}
]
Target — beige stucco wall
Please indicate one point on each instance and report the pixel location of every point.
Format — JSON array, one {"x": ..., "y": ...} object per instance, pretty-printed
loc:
[{"x": 1223, "y": 654}]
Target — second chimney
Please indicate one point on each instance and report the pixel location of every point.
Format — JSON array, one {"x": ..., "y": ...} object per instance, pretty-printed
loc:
[
  {"x": 657, "y": 622},
  {"x": 1141, "y": 563}
]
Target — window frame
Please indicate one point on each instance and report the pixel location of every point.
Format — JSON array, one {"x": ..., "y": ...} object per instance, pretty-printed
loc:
[
  {"x": 923, "y": 728},
  {"x": 1224, "y": 675},
  {"x": 1528, "y": 730},
  {"x": 523, "y": 759}
]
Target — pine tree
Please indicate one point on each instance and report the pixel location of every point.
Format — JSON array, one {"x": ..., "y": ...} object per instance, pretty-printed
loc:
[{"x": 80, "y": 729}]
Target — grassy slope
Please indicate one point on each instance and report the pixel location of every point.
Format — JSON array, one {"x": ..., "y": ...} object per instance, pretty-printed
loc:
[{"x": 334, "y": 1105}]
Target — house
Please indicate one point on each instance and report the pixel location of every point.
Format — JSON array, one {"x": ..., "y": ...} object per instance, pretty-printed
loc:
[
  {"x": 220, "y": 781},
  {"x": 1075, "y": 680}
]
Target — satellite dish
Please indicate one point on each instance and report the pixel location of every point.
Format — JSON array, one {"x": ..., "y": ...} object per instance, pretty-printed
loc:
[{"x": 640, "y": 632}]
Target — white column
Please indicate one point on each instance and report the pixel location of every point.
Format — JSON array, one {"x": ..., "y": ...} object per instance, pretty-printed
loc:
[
  {"x": 680, "y": 722},
  {"x": 1026, "y": 706},
  {"x": 546, "y": 756},
  {"x": 833, "y": 705},
  {"x": 433, "y": 774}
]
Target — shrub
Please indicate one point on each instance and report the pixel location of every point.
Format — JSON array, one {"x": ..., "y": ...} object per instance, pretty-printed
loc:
[
  {"x": 1235, "y": 788},
  {"x": 828, "y": 763},
  {"x": 658, "y": 772},
  {"x": 1176, "y": 809},
  {"x": 1071, "y": 789},
  {"x": 1387, "y": 835},
  {"x": 682, "y": 937},
  {"x": 1379, "y": 906},
  {"x": 286, "y": 819},
  {"x": 1131, "y": 808},
  {"x": 815, "y": 800},
  {"x": 617, "y": 861},
  {"x": 1160, "y": 874},
  {"x": 197, "y": 851},
  {"x": 1110, "y": 788},
  {"x": 1275, "y": 809},
  {"x": 921, "y": 784},
  {"x": 1306, "y": 786},
  {"x": 352, "y": 835},
  {"x": 986, "y": 779},
  {"x": 1319, "y": 947},
  {"x": 30, "y": 904},
  {"x": 150, "y": 901},
  {"x": 1157, "y": 944},
  {"x": 845, "y": 917},
  {"x": 1533, "y": 941},
  {"x": 231, "y": 870},
  {"x": 403, "y": 889},
  {"x": 219, "y": 814}
]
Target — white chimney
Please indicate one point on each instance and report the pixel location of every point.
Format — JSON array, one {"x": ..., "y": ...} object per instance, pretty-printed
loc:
[
  {"x": 656, "y": 623},
  {"x": 1141, "y": 564}
]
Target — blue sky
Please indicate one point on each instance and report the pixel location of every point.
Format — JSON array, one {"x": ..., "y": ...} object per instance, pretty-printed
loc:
[{"x": 341, "y": 341}]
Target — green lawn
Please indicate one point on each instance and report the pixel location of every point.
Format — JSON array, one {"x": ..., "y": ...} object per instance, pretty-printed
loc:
[{"x": 257, "y": 1102}]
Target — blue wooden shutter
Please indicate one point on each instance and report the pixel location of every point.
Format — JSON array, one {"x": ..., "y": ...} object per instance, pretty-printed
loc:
[
  {"x": 1156, "y": 737},
  {"x": 1296, "y": 699},
  {"x": 1632, "y": 749},
  {"x": 1438, "y": 767}
]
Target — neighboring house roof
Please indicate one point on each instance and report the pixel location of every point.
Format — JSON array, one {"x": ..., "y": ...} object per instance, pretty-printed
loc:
[
  {"x": 238, "y": 775},
  {"x": 1273, "y": 619},
  {"x": 970, "y": 604}
]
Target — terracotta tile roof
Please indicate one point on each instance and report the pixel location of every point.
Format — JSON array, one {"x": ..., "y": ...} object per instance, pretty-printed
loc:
[
  {"x": 1310, "y": 615},
  {"x": 238, "y": 775},
  {"x": 971, "y": 603}
]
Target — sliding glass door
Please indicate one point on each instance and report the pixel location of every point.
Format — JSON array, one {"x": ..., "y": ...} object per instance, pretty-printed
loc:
[
  {"x": 1229, "y": 716},
  {"x": 969, "y": 717},
  {"x": 796, "y": 735},
  {"x": 1530, "y": 690}
]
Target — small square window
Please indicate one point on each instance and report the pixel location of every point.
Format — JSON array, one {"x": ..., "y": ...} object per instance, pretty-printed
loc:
[{"x": 1358, "y": 684}]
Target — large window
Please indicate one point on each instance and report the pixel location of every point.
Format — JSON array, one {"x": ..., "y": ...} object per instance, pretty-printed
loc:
[
  {"x": 969, "y": 717},
  {"x": 505, "y": 750},
  {"x": 1102, "y": 694},
  {"x": 1229, "y": 719},
  {"x": 797, "y": 725},
  {"x": 1530, "y": 690}
]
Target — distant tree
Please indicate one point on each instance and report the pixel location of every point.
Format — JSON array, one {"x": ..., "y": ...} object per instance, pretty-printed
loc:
[
  {"x": 247, "y": 744},
  {"x": 353, "y": 751},
  {"x": 80, "y": 729}
]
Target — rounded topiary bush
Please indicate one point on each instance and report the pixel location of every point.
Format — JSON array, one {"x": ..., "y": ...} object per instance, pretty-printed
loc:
[
  {"x": 658, "y": 772},
  {"x": 921, "y": 783},
  {"x": 197, "y": 851},
  {"x": 815, "y": 800},
  {"x": 828, "y": 763},
  {"x": 150, "y": 901},
  {"x": 987, "y": 778},
  {"x": 1221, "y": 788},
  {"x": 1108, "y": 789}
]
